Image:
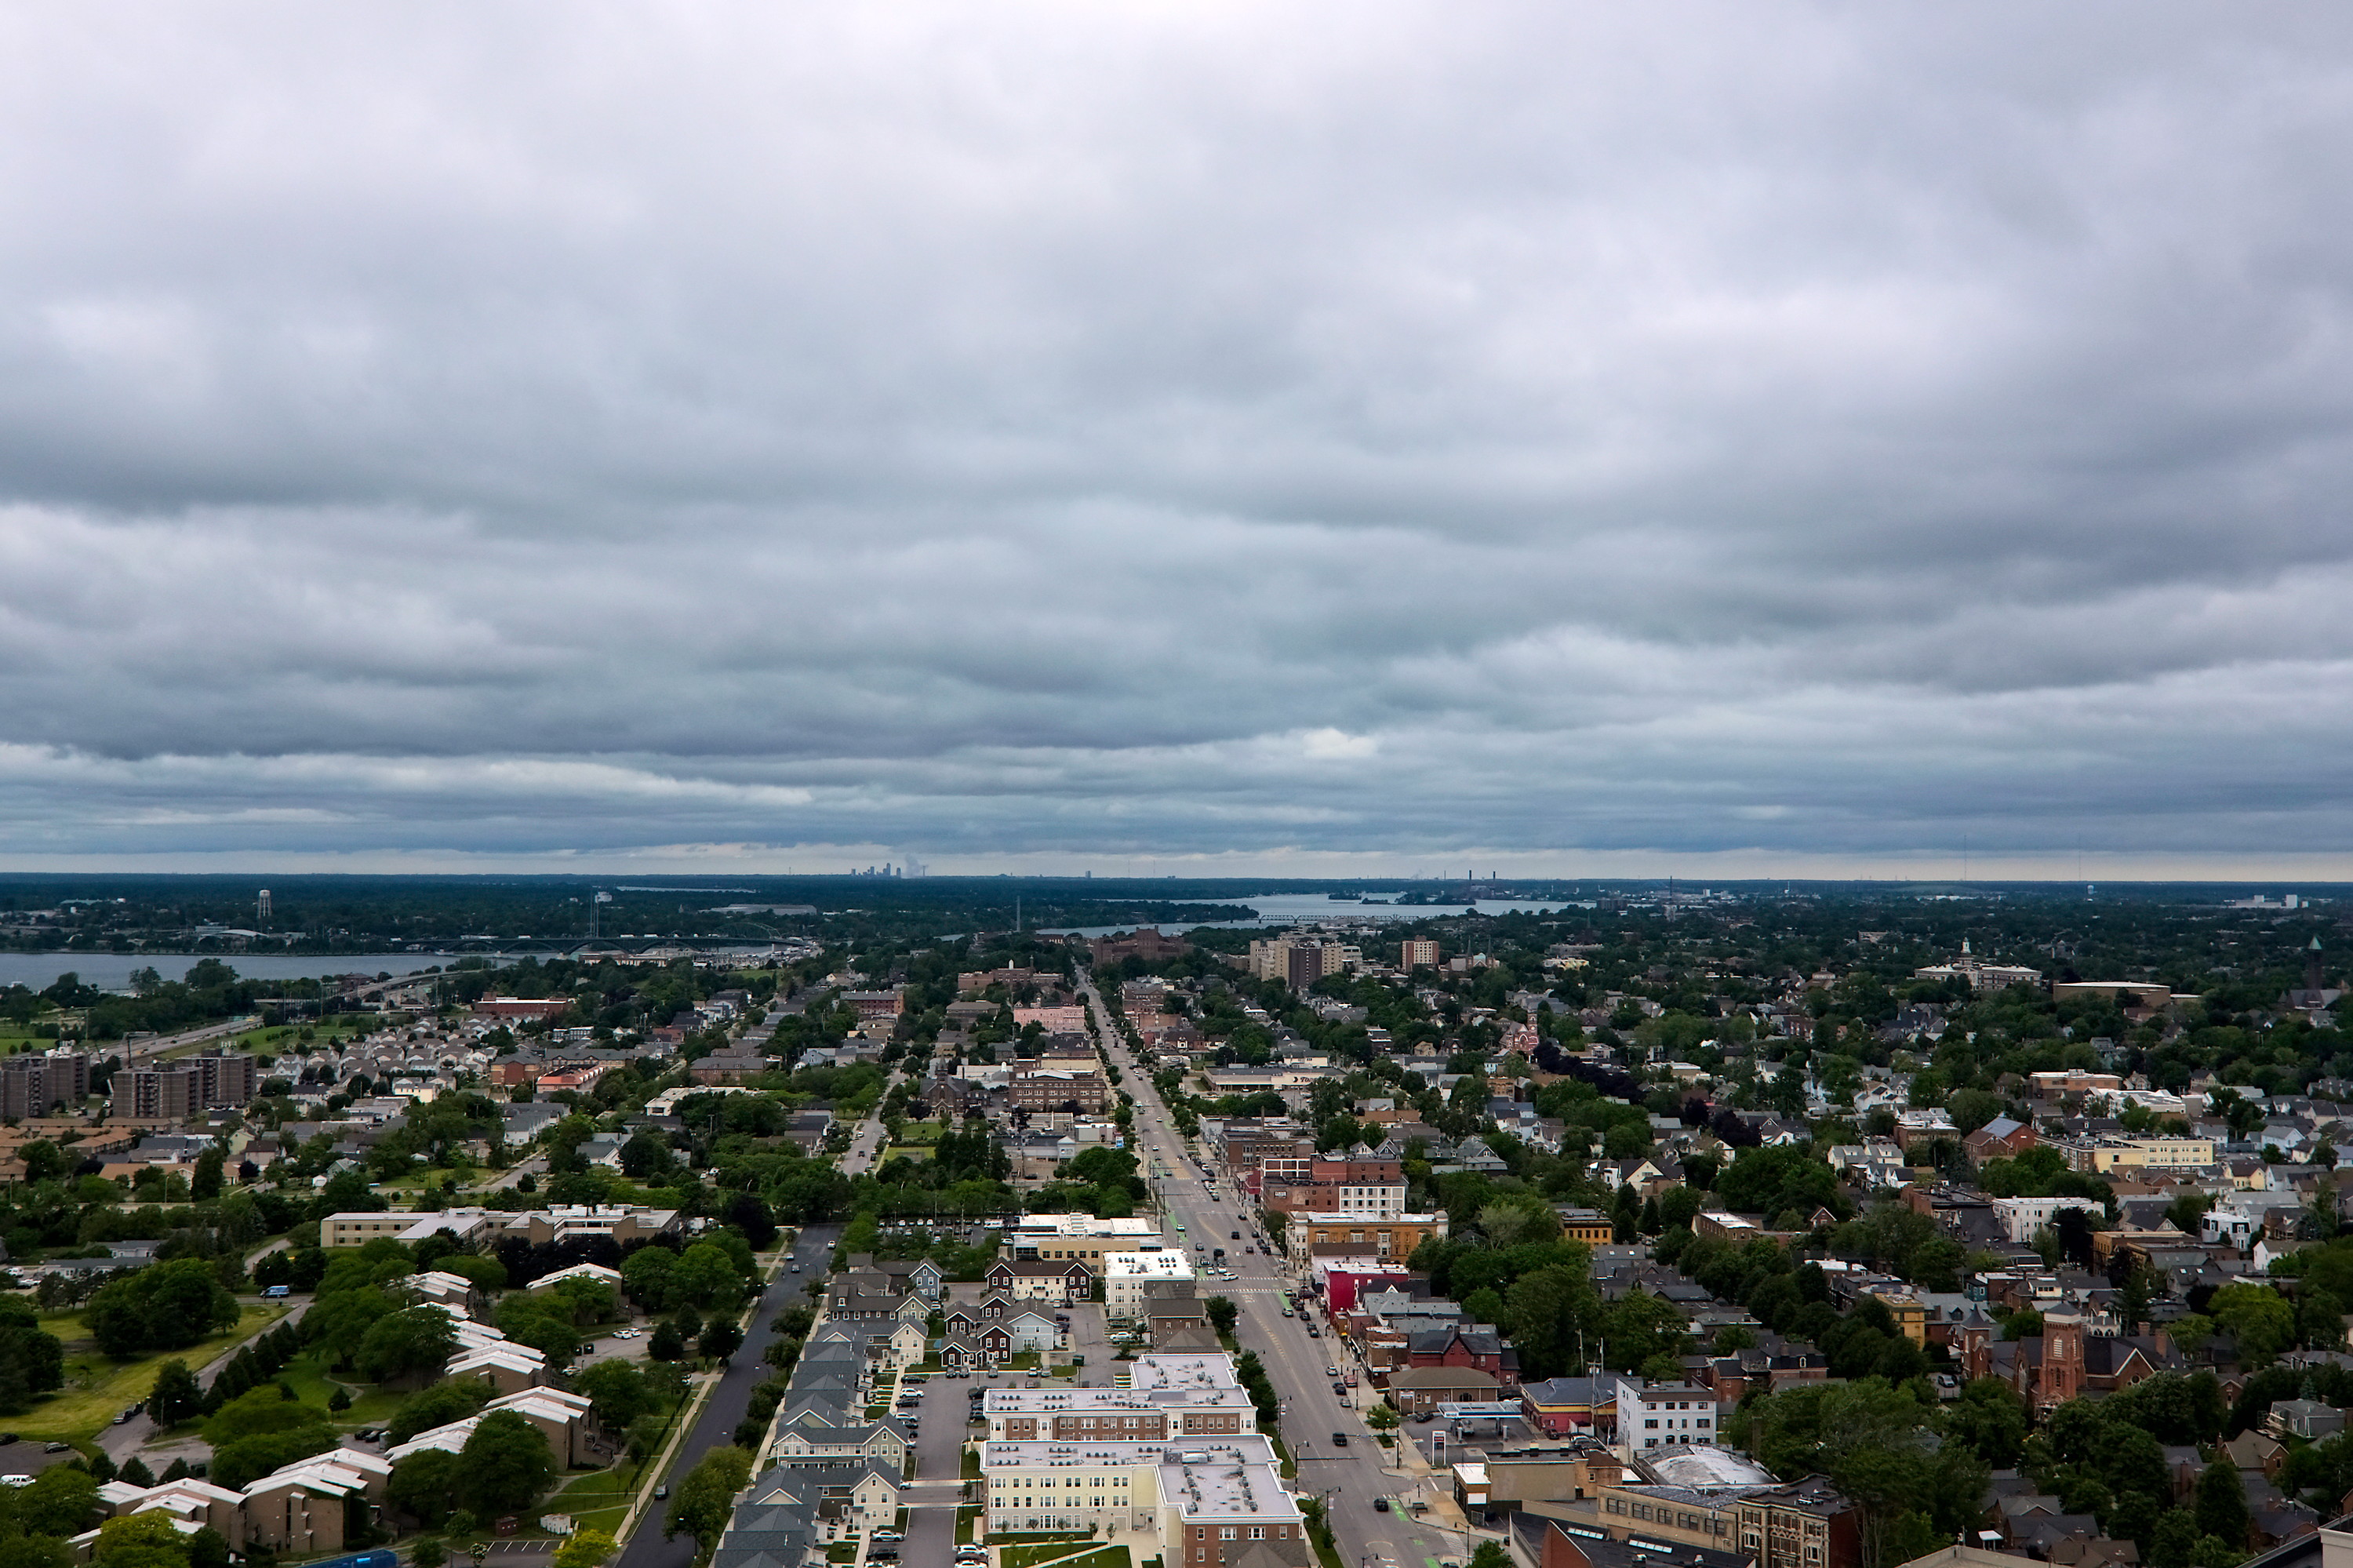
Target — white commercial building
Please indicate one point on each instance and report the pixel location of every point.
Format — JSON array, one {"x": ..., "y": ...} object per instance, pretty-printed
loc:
[
  {"x": 2021, "y": 1217},
  {"x": 1663, "y": 1416},
  {"x": 1125, "y": 1273}
]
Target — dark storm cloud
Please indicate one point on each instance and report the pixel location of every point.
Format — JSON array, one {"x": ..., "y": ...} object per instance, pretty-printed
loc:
[{"x": 1193, "y": 430}]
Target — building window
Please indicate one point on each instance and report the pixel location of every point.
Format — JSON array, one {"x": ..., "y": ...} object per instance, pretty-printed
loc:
[
  {"x": 1229, "y": 1532},
  {"x": 1257, "y": 1533}
]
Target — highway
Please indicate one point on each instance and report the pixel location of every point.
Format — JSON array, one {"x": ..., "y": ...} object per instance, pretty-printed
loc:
[{"x": 1348, "y": 1478}]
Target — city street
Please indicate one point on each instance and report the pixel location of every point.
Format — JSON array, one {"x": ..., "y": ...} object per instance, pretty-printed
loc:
[
  {"x": 1348, "y": 1478},
  {"x": 714, "y": 1427}
]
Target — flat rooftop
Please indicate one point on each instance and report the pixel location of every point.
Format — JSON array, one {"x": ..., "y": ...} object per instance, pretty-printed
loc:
[
  {"x": 1221, "y": 1484},
  {"x": 1205, "y": 1369},
  {"x": 1108, "y": 1401},
  {"x": 1250, "y": 1449},
  {"x": 1703, "y": 1467}
]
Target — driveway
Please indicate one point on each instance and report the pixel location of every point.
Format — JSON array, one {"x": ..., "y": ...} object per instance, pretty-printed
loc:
[{"x": 121, "y": 1442}]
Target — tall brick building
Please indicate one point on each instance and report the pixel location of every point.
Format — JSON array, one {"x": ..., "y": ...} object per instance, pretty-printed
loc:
[
  {"x": 30, "y": 1083},
  {"x": 185, "y": 1087}
]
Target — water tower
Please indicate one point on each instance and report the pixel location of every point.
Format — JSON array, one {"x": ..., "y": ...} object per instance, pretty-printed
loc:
[{"x": 261, "y": 908}]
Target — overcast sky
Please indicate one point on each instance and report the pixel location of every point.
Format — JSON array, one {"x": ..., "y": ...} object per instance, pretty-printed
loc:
[{"x": 1344, "y": 438}]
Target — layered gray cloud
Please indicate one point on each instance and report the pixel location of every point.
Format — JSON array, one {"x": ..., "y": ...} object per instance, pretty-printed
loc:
[{"x": 1049, "y": 431}]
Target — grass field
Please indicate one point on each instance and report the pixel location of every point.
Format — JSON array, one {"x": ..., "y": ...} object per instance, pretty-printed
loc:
[
  {"x": 1020, "y": 1551},
  {"x": 308, "y": 1377},
  {"x": 98, "y": 1388},
  {"x": 599, "y": 1501},
  {"x": 967, "y": 1517}
]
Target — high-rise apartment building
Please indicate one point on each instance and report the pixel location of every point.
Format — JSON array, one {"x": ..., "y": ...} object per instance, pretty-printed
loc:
[
  {"x": 1417, "y": 953},
  {"x": 31, "y": 1085},
  {"x": 185, "y": 1087},
  {"x": 1301, "y": 961}
]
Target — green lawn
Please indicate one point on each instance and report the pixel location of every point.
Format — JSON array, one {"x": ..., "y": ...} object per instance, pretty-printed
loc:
[
  {"x": 598, "y": 1501},
  {"x": 1024, "y": 1551},
  {"x": 308, "y": 1377},
  {"x": 967, "y": 1516},
  {"x": 98, "y": 1388}
]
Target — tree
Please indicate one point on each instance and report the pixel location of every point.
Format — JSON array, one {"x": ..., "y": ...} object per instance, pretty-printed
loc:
[
  {"x": 2173, "y": 1539},
  {"x": 585, "y": 1549},
  {"x": 59, "y": 1501},
  {"x": 2221, "y": 1509},
  {"x": 206, "y": 1185},
  {"x": 666, "y": 1343},
  {"x": 147, "y": 1539},
  {"x": 259, "y": 1412},
  {"x": 404, "y": 1345},
  {"x": 505, "y": 1465},
  {"x": 617, "y": 1391},
  {"x": 646, "y": 1158},
  {"x": 44, "y": 1161},
  {"x": 707, "y": 1278},
  {"x": 249, "y": 1458},
  {"x": 719, "y": 1338},
  {"x": 649, "y": 1278},
  {"x": 2260, "y": 1318},
  {"x": 427, "y": 1553},
  {"x": 1491, "y": 1555},
  {"x": 1991, "y": 1419},
  {"x": 453, "y": 1399},
  {"x": 32, "y": 1360},
  {"x": 1223, "y": 1313},
  {"x": 704, "y": 1498},
  {"x": 166, "y": 1305},
  {"x": 424, "y": 1485}
]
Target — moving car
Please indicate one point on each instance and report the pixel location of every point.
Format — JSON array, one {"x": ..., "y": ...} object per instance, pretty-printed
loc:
[
  {"x": 1236, "y": 1236},
  {"x": 1380, "y": 1504},
  {"x": 1339, "y": 1439}
]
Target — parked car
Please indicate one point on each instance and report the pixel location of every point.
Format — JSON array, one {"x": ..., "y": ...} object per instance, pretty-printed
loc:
[
  {"x": 1331, "y": 1372},
  {"x": 56, "y": 1447},
  {"x": 661, "y": 1491},
  {"x": 1339, "y": 1388},
  {"x": 885, "y": 1535}
]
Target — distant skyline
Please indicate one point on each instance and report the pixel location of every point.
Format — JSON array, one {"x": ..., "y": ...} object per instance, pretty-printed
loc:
[
  {"x": 2288, "y": 874},
  {"x": 1283, "y": 439}
]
